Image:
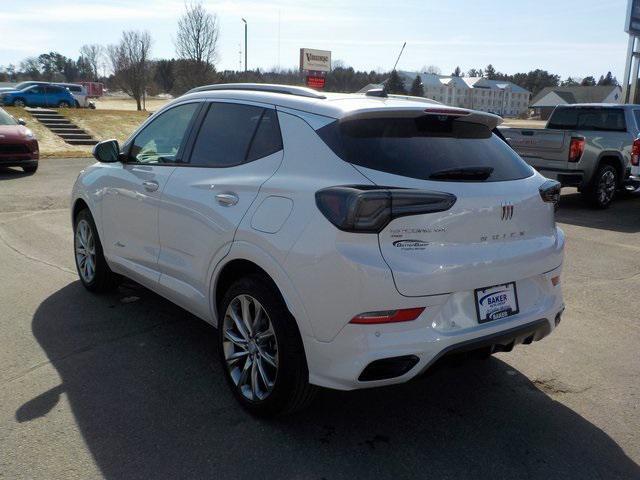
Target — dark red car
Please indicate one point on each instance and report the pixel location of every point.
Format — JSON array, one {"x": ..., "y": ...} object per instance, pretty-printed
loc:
[{"x": 18, "y": 144}]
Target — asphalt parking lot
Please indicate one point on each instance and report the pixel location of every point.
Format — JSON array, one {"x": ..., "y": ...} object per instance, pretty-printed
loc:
[{"x": 127, "y": 385}]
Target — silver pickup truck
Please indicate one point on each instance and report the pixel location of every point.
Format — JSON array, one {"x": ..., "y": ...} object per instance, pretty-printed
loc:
[{"x": 594, "y": 147}]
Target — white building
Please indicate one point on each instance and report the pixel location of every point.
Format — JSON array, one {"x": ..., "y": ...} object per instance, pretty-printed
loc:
[
  {"x": 550, "y": 97},
  {"x": 497, "y": 96}
]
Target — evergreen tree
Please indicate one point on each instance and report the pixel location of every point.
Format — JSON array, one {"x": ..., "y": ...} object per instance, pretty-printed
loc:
[
  {"x": 569, "y": 82},
  {"x": 490, "y": 73},
  {"x": 457, "y": 72},
  {"x": 588, "y": 82},
  {"x": 417, "y": 90},
  {"x": 607, "y": 80},
  {"x": 395, "y": 84}
]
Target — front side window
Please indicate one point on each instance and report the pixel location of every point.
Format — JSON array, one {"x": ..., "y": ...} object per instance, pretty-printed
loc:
[
  {"x": 232, "y": 134},
  {"x": 160, "y": 141}
]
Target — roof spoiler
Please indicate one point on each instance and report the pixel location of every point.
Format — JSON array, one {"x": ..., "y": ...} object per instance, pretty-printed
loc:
[{"x": 461, "y": 114}]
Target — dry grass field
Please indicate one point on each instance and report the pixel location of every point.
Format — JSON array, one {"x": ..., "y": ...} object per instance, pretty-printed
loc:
[
  {"x": 514, "y": 122},
  {"x": 126, "y": 103},
  {"x": 105, "y": 124}
]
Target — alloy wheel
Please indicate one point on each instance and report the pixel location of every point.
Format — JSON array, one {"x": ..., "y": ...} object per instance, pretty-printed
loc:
[
  {"x": 606, "y": 187},
  {"x": 250, "y": 347},
  {"x": 85, "y": 247}
]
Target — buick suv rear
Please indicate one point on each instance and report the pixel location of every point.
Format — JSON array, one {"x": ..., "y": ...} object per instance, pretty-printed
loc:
[{"x": 342, "y": 241}]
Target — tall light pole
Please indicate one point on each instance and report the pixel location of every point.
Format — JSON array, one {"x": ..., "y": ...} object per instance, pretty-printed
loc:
[{"x": 245, "y": 45}]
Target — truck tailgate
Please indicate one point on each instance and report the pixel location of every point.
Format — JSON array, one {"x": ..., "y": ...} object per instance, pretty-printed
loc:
[{"x": 541, "y": 144}]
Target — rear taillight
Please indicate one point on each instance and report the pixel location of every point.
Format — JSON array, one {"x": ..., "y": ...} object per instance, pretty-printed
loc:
[
  {"x": 635, "y": 153},
  {"x": 550, "y": 192},
  {"x": 363, "y": 209},
  {"x": 576, "y": 149},
  {"x": 388, "y": 316}
]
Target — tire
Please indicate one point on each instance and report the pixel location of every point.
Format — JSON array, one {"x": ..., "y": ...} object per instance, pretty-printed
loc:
[
  {"x": 281, "y": 377},
  {"x": 63, "y": 104},
  {"x": 99, "y": 278},
  {"x": 30, "y": 169},
  {"x": 603, "y": 187},
  {"x": 19, "y": 102}
]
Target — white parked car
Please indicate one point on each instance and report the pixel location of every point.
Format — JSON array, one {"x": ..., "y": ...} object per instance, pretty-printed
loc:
[
  {"x": 79, "y": 92},
  {"x": 336, "y": 240}
]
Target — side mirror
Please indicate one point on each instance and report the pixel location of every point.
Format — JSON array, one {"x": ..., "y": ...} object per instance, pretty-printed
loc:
[
  {"x": 107, "y": 151},
  {"x": 21, "y": 121}
]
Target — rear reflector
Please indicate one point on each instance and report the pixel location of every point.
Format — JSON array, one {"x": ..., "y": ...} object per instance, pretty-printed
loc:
[{"x": 388, "y": 316}]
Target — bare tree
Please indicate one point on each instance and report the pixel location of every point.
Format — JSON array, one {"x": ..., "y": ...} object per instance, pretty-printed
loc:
[
  {"x": 431, "y": 69},
  {"x": 197, "y": 42},
  {"x": 130, "y": 63},
  {"x": 93, "y": 54}
]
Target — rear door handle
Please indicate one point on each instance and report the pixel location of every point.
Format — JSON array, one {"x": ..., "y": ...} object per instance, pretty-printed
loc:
[
  {"x": 150, "y": 186},
  {"x": 227, "y": 199}
]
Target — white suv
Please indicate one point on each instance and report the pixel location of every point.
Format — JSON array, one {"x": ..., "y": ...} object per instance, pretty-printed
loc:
[{"x": 336, "y": 240}]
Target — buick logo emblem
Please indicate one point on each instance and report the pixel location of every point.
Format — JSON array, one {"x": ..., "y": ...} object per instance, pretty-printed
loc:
[{"x": 507, "y": 211}]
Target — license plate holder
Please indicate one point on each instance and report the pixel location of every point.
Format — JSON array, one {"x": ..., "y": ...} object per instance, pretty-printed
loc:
[{"x": 496, "y": 302}]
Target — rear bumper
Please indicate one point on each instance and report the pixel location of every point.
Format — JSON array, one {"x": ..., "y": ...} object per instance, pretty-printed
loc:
[{"x": 412, "y": 348}]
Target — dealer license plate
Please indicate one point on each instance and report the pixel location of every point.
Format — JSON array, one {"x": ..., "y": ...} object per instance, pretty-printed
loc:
[{"x": 494, "y": 303}]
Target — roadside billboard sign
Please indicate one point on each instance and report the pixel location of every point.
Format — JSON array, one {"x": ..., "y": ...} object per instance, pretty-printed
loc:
[{"x": 315, "y": 60}]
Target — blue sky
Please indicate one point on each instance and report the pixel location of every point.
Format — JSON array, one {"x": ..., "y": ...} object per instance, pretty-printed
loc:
[{"x": 568, "y": 37}]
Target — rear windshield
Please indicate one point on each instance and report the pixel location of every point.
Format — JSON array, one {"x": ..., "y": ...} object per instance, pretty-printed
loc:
[
  {"x": 588, "y": 118},
  {"x": 421, "y": 147}
]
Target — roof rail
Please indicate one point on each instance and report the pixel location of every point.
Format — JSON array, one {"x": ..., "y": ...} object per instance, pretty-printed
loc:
[{"x": 261, "y": 87}]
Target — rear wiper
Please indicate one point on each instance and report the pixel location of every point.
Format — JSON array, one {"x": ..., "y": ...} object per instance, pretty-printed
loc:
[{"x": 462, "y": 173}]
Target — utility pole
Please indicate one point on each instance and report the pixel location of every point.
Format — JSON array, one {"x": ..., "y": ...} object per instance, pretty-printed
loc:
[{"x": 245, "y": 45}]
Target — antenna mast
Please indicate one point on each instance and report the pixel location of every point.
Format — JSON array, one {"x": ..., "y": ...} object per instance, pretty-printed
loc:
[{"x": 401, "y": 50}]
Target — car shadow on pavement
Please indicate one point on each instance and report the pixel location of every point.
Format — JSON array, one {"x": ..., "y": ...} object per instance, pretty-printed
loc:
[
  {"x": 147, "y": 393},
  {"x": 622, "y": 216},
  {"x": 7, "y": 173}
]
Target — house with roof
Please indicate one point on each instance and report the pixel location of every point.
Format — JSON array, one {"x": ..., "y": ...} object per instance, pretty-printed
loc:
[
  {"x": 550, "y": 97},
  {"x": 478, "y": 93}
]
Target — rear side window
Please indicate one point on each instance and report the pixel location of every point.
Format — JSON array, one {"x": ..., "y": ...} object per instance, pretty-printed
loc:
[
  {"x": 588, "y": 118},
  {"x": 267, "y": 139},
  {"x": 233, "y": 133},
  {"x": 636, "y": 114},
  {"x": 421, "y": 147}
]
